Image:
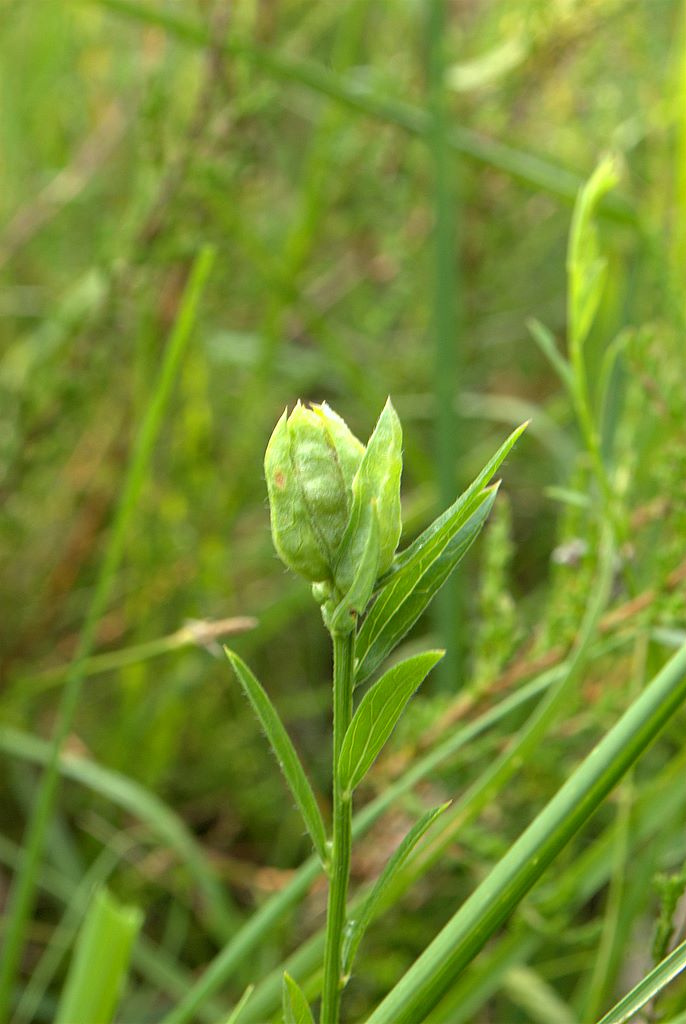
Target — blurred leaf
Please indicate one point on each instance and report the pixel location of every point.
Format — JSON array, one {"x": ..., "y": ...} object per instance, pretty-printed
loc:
[
  {"x": 144, "y": 805},
  {"x": 489, "y": 67},
  {"x": 284, "y": 750},
  {"x": 586, "y": 266},
  {"x": 100, "y": 963},
  {"x": 296, "y": 1009},
  {"x": 377, "y": 715}
]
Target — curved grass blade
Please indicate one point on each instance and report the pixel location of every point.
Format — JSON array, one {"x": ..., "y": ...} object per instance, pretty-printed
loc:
[
  {"x": 409, "y": 591},
  {"x": 648, "y": 987},
  {"x": 289, "y": 762},
  {"x": 378, "y": 714},
  {"x": 144, "y": 805},
  {"x": 296, "y": 1009},
  {"x": 492, "y": 902},
  {"x": 357, "y": 928}
]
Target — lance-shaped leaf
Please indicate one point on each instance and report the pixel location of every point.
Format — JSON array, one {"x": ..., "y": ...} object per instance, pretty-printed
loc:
[
  {"x": 344, "y": 616},
  {"x": 377, "y": 480},
  {"x": 356, "y": 928},
  {"x": 296, "y": 1009},
  {"x": 289, "y": 761},
  {"x": 377, "y": 715},
  {"x": 421, "y": 569},
  {"x": 408, "y": 592}
]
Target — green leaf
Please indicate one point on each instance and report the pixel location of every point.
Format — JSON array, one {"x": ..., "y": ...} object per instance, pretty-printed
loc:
[
  {"x": 408, "y": 592},
  {"x": 100, "y": 963},
  {"x": 285, "y": 753},
  {"x": 586, "y": 266},
  {"x": 648, "y": 987},
  {"x": 344, "y": 616},
  {"x": 296, "y": 1009},
  {"x": 376, "y": 480},
  {"x": 356, "y": 928},
  {"x": 429, "y": 561},
  {"x": 378, "y": 714},
  {"x": 433, "y": 973}
]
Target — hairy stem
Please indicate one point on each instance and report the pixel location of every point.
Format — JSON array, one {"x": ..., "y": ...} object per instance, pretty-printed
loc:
[{"x": 343, "y": 650}]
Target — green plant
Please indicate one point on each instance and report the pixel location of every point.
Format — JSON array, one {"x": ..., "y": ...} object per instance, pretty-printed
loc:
[{"x": 335, "y": 514}]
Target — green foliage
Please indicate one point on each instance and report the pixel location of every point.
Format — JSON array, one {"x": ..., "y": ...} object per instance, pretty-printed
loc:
[
  {"x": 376, "y": 717},
  {"x": 388, "y": 190}
]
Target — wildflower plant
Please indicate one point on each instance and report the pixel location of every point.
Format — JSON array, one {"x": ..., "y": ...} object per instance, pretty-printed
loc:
[{"x": 336, "y": 521}]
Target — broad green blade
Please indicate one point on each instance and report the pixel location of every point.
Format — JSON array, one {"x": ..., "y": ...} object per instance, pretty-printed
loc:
[
  {"x": 470, "y": 928},
  {"x": 296, "y": 1009},
  {"x": 648, "y": 987},
  {"x": 365, "y": 915},
  {"x": 408, "y": 592},
  {"x": 100, "y": 963},
  {"x": 378, "y": 714},
  {"x": 289, "y": 761}
]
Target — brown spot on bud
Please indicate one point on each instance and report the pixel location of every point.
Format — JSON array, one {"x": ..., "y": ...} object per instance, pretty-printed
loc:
[{"x": 280, "y": 480}]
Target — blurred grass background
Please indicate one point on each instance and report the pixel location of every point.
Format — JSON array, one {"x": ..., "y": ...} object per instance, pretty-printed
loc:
[{"x": 360, "y": 253}]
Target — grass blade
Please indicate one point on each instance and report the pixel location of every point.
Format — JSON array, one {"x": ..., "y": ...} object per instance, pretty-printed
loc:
[
  {"x": 23, "y": 889},
  {"x": 466, "y": 933},
  {"x": 296, "y": 1009},
  {"x": 648, "y": 987},
  {"x": 289, "y": 762},
  {"x": 240, "y": 1006},
  {"x": 378, "y": 714},
  {"x": 144, "y": 805},
  {"x": 369, "y": 908},
  {"x": 100, "y": 963}
]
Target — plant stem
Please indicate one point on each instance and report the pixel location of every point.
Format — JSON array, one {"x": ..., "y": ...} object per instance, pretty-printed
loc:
[{"x": 343, "y": 650}]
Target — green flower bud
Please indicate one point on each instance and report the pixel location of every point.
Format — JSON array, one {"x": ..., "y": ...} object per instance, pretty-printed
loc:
[
  {"x": 310, "y": 464},
  {"x": 335, "y": 505}
]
